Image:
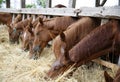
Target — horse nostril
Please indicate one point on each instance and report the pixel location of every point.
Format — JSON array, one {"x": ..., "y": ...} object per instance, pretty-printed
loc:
[{"x": 36, "y": 48}]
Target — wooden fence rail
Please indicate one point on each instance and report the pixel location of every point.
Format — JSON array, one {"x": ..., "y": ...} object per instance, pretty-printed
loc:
[{"x": 103, "y": 12}]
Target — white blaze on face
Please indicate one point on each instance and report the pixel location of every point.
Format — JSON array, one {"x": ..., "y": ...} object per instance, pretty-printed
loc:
[
  {"x": 33, "y": 29},
  {"x": 62, "y": 50},
  {"x": 25, "y": 35}
]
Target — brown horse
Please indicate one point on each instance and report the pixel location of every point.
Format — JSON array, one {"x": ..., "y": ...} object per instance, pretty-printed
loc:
[
  {"x": 108, "y": 78},
  {"x": 18, "y": 30},
  {"x": 28, "y": 37},
  {"x": 10, "y": 29},
  {"x": 47, "y": 30},
  {"x": 101, "y": 40},
  {"x": 63, "y": 43},
  {"x": 5, "y": 18}
]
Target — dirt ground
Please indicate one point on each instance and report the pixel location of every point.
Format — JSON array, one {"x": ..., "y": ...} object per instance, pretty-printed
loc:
[{"x": 15, "y": 66}]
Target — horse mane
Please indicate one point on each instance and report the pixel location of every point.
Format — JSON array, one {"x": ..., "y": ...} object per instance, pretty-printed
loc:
[{"x": 78, "y": 30}]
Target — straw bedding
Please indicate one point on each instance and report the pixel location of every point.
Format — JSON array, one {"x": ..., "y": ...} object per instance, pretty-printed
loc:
[{"x": 16, "y": 67}]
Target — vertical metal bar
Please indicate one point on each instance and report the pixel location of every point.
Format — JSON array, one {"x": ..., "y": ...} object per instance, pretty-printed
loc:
[
  {"x": 22, "y": 3},
  {"x": 48, "y": 3},
  {"x": 7, "y": 3},
  {"x": 72, "y": 3}
]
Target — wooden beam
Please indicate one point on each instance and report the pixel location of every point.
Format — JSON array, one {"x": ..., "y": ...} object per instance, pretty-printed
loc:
[
  {"x": 100, "y": 12},
  {"x": 7, "y": 3},
  {"x": 72, "y": 3},
  {"x": 107, "y": 64},
  {"x": 48, "y": 3},
  {"x": 22, "y": 3}
]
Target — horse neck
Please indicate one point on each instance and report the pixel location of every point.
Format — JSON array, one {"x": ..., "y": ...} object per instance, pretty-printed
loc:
[
  {"x": 79, "y": 30},
  {"x": 49, "y": 24},
  {"x": 99, "y": 40},
  {"x": 62, "y": 23}
]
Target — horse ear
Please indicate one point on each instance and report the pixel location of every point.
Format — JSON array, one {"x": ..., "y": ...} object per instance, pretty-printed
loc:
[
  {"x": 108, "y": 78},
  {"x": 30, "y": 24},
  {"x": 62, "y": 36},
  {"x": 40, "y": 20}
]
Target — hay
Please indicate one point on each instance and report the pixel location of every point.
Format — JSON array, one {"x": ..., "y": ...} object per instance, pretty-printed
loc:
[{"x": 16, "y": 67}]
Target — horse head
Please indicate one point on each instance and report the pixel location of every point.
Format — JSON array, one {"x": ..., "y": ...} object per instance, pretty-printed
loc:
[
  {"x": 27, "y": 36},
  {"x": 42, "y": 37},
  {"x": 62, "y": 60}
]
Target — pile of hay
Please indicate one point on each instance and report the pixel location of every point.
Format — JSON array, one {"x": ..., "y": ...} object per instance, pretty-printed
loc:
[{"x": 15, "y": 66}]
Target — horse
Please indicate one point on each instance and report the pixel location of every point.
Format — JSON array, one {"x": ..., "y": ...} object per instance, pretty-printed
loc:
[
  {"x": 18, "y": 28},
  {"x": 28, "y": 37},
  {"x": 47, "y": 30},
  {"x": 10, "y": 29},
  {"x": 5, "y": 18},
  {"x": 65, "y": 41},
  {"x": 90, "y": 47},
  {"x": 34, "y": 23},
  {"x": 108, "y": 78}
]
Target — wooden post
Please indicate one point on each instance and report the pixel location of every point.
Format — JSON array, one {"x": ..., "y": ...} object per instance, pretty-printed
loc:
[
  {"x": 13, "y": 18},
  {"x": 33, "y": 17},
  {"x": 7, "y": 3},
  {"x": 28, "y": 16},
  {"x": 22, "y": 3},
  {"x": 23, "y": 17},
  {"x": 72, "y": 3},
  {"x": 48, "y": 3},
  {"x": 114, "y": 67}
]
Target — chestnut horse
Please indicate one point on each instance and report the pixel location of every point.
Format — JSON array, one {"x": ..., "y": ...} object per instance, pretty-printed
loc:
[
  {"x": 47, "y": 30},
  {"x": 63, "y": 43},
  {"x": 6, "y": 18},
  {"x": 18, "y": 30},
  {"x": 10, "y": 29},
  {"x": 108, "y": 78},
  {"x": 28, "y": 37},
  {"x": 90, "y": 47}
]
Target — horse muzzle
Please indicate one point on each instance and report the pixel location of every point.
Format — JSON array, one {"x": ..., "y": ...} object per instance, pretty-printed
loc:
[{"x": 36, "y": 49}]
